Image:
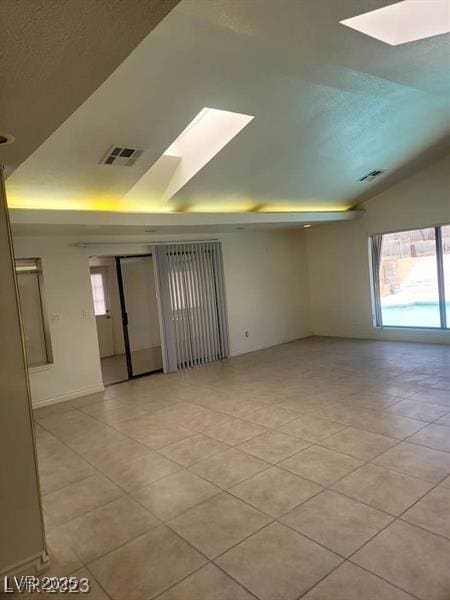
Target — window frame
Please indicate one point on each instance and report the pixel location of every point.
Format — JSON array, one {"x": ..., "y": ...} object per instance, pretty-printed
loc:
[
  {"x": 377, "y": 318},
  {"x": 22, "y": 268}
]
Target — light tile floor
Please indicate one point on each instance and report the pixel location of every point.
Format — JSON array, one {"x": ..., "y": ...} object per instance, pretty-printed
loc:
[
  {"x": 316, "y": 469},
  {"x": 114, "y": 368}
]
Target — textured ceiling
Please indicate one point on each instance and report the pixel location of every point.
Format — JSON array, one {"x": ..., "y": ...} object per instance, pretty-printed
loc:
[
  {"x": 330, "y": 104},
  {"x": 55, "y": 53}
]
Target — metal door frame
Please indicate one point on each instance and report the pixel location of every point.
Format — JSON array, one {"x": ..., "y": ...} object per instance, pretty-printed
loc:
[{"x": 123, "y": 309}]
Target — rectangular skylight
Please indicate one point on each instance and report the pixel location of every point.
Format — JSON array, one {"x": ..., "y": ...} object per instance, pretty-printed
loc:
[
  {"x": 216, "y": 126},
  {"x": 405, "y": 21},
  {"x": 205, "y": 136}
]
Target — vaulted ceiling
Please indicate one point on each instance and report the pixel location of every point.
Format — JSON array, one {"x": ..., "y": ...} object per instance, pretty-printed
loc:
[
  {"x": 55, "y": 53},
  {"x": 329, "y": 104}
]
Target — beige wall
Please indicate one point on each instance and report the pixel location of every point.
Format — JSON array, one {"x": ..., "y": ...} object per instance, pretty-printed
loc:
[
  {"x": 338, "y": 255},
  {"x": 266, "y": 285},
  {"x": 21, "y": 527},
  {"x": 73, "y": 333},
  {"x": 266, "y": 282}
]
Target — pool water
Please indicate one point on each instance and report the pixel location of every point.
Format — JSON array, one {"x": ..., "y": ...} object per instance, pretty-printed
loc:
[{"x": 424, "y": 314}]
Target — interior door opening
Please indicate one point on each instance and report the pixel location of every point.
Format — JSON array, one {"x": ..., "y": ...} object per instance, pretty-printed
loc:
[
  {"x": 126, "y": 313},
  {"x": 136, "y": 280}
]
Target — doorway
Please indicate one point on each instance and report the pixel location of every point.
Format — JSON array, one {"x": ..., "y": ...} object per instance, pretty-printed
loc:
[
  {"x": 139, "y": 307},
  {"x": 126, "y": 314}
]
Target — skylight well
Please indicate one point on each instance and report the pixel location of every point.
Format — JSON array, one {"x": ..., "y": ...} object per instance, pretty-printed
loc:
[
  {"x": 216, "y": 127},
  {"x": 205, "y": 136},
  {"x": 405, "y": 21}
]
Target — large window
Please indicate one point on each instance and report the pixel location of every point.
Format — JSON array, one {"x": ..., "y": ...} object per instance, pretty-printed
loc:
[
  {"x": 411, "y": 277},
  {"x": 34, "y": 318},
  {"x": 445, "y": 234}
]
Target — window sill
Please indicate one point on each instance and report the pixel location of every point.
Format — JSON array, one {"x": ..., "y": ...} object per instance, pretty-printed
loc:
[
  {"x": 38, "y": 368},
  {"x": 412, "y": 328}
]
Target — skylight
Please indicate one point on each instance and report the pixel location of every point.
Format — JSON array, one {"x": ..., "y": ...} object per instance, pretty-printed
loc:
[
  {"x": 205, "y": 136},
  {"x": 405, "y": 21}
]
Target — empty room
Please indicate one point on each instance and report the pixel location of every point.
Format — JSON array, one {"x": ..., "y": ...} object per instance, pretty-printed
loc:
[{"x": 225, "y": 299}]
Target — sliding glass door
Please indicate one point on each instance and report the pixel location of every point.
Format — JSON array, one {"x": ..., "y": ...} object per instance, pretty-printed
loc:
[
  {"x": 412, "y": 278},
  {"x": 192, "y": 291},
  {"x": 139, "y": 314}
]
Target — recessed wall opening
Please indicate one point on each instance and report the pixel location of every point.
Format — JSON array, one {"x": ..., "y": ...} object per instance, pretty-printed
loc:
[{"x": 30, "y": 286}]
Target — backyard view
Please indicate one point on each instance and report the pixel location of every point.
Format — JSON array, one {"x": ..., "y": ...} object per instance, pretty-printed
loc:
[
  {"x": 446, "y": 256},
  {"x": 409, "y": 278}
]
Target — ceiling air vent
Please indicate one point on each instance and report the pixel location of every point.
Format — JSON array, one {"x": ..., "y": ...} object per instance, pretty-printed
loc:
[
  {"x": 121, "y": 156},
  {"x": 371, "y": 176}
]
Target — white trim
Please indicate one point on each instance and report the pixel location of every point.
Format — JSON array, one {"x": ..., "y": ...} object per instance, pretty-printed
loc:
[
  {"x": 411, "y": 334},
  {"x": 69, "y": 396},
  {"x": 38, "y": 368},
  {"x": 415, "y": 336},
  {"x": 34, "y": 564},
  {"x": 280, "y": 343},
  {"x": 156, "y": 220}
]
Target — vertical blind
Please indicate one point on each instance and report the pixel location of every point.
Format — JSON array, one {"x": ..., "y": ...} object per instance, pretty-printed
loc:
[
  {"x": 376, "y": 245},
  {"x": 192, "y": 292}
]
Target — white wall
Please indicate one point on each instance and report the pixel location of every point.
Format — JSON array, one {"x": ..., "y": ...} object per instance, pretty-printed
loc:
[
  {"x": 338, "y": 255},
  {"x": 266, "y": 285},
  {"x": 73, "y": 333},
  {"x": 266, "y": 281}
]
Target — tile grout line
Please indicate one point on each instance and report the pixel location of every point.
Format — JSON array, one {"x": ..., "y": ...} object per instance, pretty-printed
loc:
[
  {"x": 241, "y": 481},
  {"x": 269, "y": 465},
  {"x": 395, "y": 519}
]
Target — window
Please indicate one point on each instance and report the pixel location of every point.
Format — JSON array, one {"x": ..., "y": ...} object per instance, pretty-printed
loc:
[
  {"x": 34, "y": 317},
  {"x": 411, "y": 278},
  {"x": 98, "y": 293},
  {"x": 445, "y": 236}
]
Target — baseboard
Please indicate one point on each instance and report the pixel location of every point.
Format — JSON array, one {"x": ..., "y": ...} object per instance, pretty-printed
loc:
[
  {"x": 31, "y": 566},
  {"x": 69, "y": 396},
  {"x": 270, "y": 345},
  {"x": 413, "y": 336}
]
